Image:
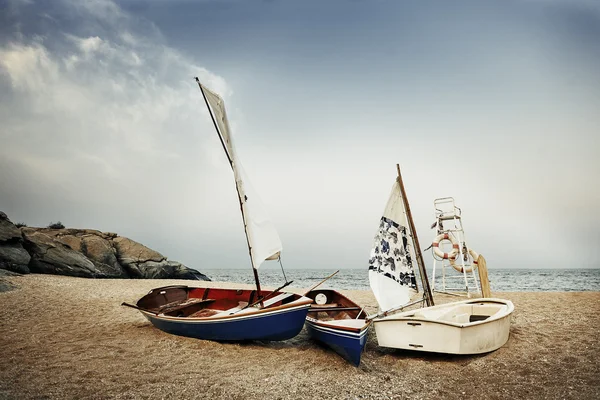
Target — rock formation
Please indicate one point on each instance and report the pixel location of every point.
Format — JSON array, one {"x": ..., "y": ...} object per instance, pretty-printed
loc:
[
  {"x": 85, "y": 253},
  {"x": 13, "y": 256}
]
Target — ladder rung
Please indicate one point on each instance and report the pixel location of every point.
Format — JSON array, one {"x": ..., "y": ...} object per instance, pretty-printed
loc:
[{"x": 446, "y": 217}]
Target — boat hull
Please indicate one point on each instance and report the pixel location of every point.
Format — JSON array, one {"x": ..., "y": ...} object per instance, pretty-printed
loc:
[
  {"x": 272, "y": 325},
  {"x": 335, "y": 321},
  {"x": 225, "y": 314},
  {"x": 349, "y": 345},
  {"x": 427, "y": 330}
]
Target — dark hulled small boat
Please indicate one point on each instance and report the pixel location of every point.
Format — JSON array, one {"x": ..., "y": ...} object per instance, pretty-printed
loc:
[
  {"x": 223, "y": 314},
  {"x": 338, "y": 322},
  {"x": 231, "y": 314}
]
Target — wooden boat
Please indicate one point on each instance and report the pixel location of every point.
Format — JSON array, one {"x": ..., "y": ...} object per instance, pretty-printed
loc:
[
  {"x": 223, "y": 314},
  {"x": 472, "y": 326},
  {"x": 338, "y": 322},
  {"x": 231, "y": 314},
  {"x": 465, "y": 327}
]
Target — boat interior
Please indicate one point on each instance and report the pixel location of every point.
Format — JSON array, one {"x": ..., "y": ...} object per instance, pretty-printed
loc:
[
  {"x": 329, "y": 305},
  {"x": 461, "y": 313},
  {"x": 184, "y": 301}
]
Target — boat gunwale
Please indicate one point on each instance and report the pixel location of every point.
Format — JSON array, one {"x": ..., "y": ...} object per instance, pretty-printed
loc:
[
  {"x": 324, "y": 324},
  {"x": 316, "y": 322},
  {"x": 402, "y": 317},
  {"x": 295, "y": 304}
]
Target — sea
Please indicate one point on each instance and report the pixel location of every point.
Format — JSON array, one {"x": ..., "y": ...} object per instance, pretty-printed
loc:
[{"x": 501, "y": 280}]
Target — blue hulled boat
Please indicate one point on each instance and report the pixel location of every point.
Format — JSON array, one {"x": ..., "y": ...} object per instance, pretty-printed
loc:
[
  {"x": 231, "y": 314},
  {"x": 223, "y": 314},
  {"x": 338, "y": 322}
]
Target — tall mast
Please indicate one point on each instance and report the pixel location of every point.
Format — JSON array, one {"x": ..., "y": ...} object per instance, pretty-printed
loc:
[
  {"x": 229, "y": 157},
  {"x": 422, "y": 271}
]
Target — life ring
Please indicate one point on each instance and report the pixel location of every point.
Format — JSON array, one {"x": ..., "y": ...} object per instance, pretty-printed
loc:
[
  {"x": 459, "y": 268},
  {"x": 438, "y": 252}
]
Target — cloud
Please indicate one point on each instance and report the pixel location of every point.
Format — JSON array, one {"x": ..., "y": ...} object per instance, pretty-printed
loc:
[
  {"x": 27, "y": 66},
  {"x": 103, "y": 127},
  {"x": 98, "y": 115}
]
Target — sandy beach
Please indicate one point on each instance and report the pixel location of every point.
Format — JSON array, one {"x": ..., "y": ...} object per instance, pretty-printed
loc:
[{"x": 63, "y": 337}]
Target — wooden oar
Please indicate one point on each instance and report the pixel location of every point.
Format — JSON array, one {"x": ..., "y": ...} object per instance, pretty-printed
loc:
[
  {"x": 138, "y": 308},
  {"x": 319, "y": 284},
  {"x": 362, "y": 310},
  {"x": 483, "y": 277},
  {"x": 261, "y": 299}
]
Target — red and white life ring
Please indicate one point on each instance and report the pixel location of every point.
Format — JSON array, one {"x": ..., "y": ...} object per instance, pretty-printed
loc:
[
  {"x": 459, "y": 268},
  {"x": 438, "y": 252}
]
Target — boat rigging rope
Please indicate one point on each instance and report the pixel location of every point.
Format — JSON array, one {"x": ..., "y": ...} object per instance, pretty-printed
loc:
[{"x": 284, "y": 277}]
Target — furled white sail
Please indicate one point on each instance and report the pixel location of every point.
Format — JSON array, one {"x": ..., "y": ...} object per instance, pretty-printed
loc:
[
  {"x": 263, "y": 238},
  {"x": 391, "y": 273}
]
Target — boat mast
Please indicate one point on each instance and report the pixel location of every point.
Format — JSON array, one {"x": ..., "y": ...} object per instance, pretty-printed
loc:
[
  {"x": 257, "y": 281},
  {"x": 422, "y": 272}
]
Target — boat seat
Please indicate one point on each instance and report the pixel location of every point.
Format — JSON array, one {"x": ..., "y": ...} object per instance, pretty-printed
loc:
[
  {"x": 430, "y": 314},
  {"x": 488, "y": 310},
  {"x": 240, "y": 308},
  {"x": 455, "y": 314},
  {"x": 457, "y": 318}
]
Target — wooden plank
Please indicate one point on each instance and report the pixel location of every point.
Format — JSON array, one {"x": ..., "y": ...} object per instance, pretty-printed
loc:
[
  {"x": 138, "y": 308},
  {"x": 167, "y": 308},
  {"x": 483, "y": 277}
]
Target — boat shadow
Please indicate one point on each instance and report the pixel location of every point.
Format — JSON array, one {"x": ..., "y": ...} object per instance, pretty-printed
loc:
[
  {"x": 300, "y": 341},
  {"x": 374, "y": 351},
  {"x": 380, "y": 352}
]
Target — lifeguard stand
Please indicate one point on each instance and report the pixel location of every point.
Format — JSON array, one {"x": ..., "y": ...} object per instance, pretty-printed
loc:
[{"x": 461, "y": 261}]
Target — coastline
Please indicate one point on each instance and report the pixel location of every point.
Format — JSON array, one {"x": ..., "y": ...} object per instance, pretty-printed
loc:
[{"x": 65, "y": 337}]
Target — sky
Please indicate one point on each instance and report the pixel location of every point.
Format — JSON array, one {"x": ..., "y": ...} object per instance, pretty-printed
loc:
[{"x": 495, "y": 103}]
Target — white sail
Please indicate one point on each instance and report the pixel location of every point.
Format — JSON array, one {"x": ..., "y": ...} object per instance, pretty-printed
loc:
[
  {"x": 391, "y": 273},
  {"x": 263, "y": 238}
]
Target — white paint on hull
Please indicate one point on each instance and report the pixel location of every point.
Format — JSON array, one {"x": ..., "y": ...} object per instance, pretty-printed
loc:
[{"x": 446, "y": 328}]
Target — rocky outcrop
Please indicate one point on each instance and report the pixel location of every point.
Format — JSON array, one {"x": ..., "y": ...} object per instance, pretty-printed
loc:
[
  {"x": 50, "y": 256},
  {"x": 8, "y": 231},
  {"x": 141, "y": 262},
  {"x": 13, "y": 256},
  {"x": 84, "y": 253},
  {"x": 95, "y": 246}
]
